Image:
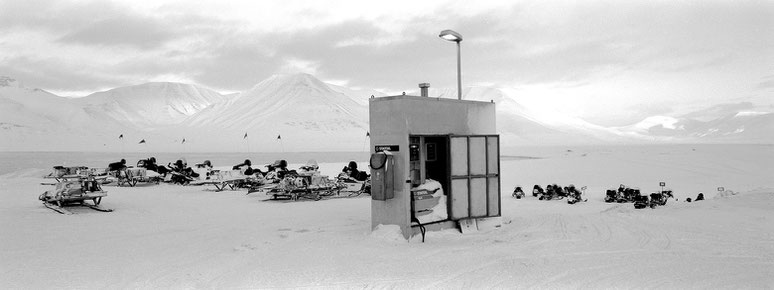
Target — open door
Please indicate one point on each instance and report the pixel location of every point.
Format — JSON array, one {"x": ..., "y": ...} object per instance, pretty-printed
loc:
[{"x": 475, "y": 176}]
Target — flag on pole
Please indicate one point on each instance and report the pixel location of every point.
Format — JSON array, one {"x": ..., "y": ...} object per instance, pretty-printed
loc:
[
  {"x": 142, "y": 141},
  {"x": 368, "y": 134},
  {"x": 183, "y": 141},
  {"x": 279, "y": 137},
  {"x": 121, "y": 136},
  {"x": 245, "y": 136}
]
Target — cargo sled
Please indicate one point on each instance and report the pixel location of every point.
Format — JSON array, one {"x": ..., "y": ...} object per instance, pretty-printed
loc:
[
  {"x": 74, "y": 192},
  {"x": 223, "y": 179},
  {"x": 131, "y": 176},
  {"x": 61, "y": 173},
  {"x": 304, "y": 185}
]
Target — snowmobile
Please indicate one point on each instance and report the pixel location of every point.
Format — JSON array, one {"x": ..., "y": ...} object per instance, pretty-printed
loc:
[
  {"x": 68, "y": 192},
  {"x": 641, "y": 201},
  {"x": 573, "y": 195},
  {"x": 611, "y": 195},
  {"x": 537, "y": 190},
  {"x": 518, "y": 193},
  {"x": 628, "y": 194},
  {"x": 351, "y": 186},
  {"x": 660, "y": 198},
  {"x": 553, "y": 191}
]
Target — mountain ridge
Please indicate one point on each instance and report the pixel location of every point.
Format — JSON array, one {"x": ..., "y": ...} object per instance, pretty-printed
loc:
[{"x": 298, "y": 112}]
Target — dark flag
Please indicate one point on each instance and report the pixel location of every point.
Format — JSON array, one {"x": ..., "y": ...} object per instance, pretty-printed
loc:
[
  {"x": 279, "y": 137},
  {"x": 183, "y": 141},
  {"x": 245, "y": 136},
  {"x": 121, "y": 137},
  {"x": 142, "y": 141},
  {"x": 368, "y": 134}
]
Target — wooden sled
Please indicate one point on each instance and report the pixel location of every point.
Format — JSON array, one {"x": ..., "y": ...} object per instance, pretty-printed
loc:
[
  {"x": 224, "y": 179},
  {"x": 74, "y": 193}
]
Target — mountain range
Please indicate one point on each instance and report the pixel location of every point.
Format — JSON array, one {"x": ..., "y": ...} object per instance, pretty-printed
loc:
[{"x": 298, "y": 112}]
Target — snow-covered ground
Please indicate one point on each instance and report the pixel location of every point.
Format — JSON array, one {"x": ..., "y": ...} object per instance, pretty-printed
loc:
[{"x": 167, "y": 236}]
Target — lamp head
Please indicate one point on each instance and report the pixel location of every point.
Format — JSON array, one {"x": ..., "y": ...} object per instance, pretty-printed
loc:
[{"x": 450, "y": 35}]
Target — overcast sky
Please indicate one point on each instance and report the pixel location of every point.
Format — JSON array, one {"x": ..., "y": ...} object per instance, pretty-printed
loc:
[{"x": 610, "y": 62}]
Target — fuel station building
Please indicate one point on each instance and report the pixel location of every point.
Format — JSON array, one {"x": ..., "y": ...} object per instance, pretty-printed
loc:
[{"x": 435, "y": 162}]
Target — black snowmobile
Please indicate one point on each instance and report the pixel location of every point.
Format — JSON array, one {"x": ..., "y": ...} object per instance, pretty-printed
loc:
[
  {"x": 611, "y": 196},
  {"x": 660, "y": 198},
  {"x": 537, "y": 190},
  {"x": 574, "y": 195},
  {"x": 641, "y": 201},
  {"x": 518, "y": 193}
]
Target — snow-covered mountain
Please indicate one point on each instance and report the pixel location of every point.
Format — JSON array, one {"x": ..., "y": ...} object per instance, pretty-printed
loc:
[
  {"x": 726, "y": 123},
  {"x": 150, "y": 105},
  {"x": 300, "y": 113},
  {"x": 304, "y": 112}
]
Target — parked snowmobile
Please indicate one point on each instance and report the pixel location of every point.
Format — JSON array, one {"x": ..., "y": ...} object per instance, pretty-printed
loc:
[
  {"x": 641, "y": 201},
  {"x": 537, "y": 190},
  {"x": 74, "y": 192},
  {"x": 518, "y": 193},
  {"x": 611, "y": 195},
  {"x": 351, "y": 186},
  {"x": 573, "y": 195},
  {"x": 660, "y": 198}
]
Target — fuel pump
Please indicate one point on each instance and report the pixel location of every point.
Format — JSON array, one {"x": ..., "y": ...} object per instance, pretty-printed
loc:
[{"x": 382, "y": 175}]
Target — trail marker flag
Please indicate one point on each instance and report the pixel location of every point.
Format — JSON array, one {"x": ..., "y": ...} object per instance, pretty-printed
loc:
[{"x": 142, "y": 141}]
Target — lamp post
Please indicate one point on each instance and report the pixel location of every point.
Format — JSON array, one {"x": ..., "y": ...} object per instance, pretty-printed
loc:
[{"x": 452, "y": 35}]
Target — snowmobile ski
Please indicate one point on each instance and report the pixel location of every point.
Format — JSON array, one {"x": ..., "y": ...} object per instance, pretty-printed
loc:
[{"x": 57, "y": 208}]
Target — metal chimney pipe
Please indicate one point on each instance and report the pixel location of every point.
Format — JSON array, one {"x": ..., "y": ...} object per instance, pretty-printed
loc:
[{"x": 423, "y": 89}]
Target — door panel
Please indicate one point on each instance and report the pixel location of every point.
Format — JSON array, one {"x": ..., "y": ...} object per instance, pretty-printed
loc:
[
  {"x": 459, "y": 156},
  {"x": 478, "y": 197},
  {"x": 459, "y": 199}
]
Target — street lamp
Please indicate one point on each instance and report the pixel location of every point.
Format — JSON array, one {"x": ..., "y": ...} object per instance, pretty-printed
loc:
[{"x": 452, "y": 35}]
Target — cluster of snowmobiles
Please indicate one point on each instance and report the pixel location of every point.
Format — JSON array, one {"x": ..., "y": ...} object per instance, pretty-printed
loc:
[
  {"x": 633, "y": 195},
  {"x": 77, "y": 184},
  {"x": 553, "y": 192},
  {"x": 308, "y": 183}
]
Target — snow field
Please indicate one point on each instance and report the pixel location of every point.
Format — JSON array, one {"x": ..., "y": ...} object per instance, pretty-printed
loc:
[{"x": 168, "y": 236}]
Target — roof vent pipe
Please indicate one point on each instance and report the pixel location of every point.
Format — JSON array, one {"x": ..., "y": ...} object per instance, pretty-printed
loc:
[{"x": 423, "y": 89}]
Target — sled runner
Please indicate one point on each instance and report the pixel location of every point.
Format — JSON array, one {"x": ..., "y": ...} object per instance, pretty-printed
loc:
[{"x": 74, "y": 193}]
